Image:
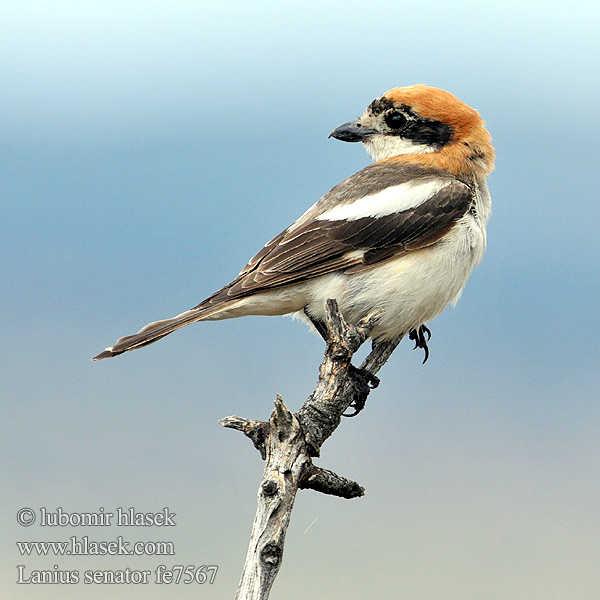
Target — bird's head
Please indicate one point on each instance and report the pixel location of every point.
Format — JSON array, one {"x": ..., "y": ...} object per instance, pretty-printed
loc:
[{"x": 425, "y": 125}]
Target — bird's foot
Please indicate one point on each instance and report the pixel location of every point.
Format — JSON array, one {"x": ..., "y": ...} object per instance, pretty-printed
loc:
[
  {"x": 363, "y": 381},
  {"x": 421, "y": 336}
]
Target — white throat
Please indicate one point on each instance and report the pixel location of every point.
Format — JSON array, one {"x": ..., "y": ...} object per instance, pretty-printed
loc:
[{"x": 384, "y": 146}]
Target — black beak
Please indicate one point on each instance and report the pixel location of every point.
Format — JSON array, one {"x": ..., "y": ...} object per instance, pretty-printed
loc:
[{"x": 353, "y": 131}]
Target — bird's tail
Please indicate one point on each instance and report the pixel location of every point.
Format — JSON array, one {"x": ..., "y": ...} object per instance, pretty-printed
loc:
[{"x": 159, "y": 329}]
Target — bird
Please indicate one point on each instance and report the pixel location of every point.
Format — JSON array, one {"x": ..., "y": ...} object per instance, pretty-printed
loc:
[{"x": 402, "y": 235}]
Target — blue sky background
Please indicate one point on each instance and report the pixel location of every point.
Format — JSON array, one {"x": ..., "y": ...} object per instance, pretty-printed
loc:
[{"x": 148, "y": 149}]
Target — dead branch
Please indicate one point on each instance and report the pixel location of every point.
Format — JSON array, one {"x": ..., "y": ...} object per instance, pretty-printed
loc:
[{"x": 289, "y": 441}]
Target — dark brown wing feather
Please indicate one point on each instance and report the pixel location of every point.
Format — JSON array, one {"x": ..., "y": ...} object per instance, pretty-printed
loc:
[{"x": 318, "y": 247}]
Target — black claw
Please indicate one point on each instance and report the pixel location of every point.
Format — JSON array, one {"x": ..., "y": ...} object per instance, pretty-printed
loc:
[
  {"x": 353, "y": 414},
  {"x": 421, "y": 336},
  {"x": 426, "y": 349}
]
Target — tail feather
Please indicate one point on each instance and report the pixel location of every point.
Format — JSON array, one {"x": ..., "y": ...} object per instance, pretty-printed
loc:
[{"x": 153, "y": 332}]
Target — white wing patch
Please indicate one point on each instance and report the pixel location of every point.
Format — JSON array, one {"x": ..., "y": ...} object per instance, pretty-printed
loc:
[{"x": 396, "y": 198}]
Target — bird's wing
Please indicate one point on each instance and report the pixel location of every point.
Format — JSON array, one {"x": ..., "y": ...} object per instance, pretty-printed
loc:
[{"x": 377, "y": 214}]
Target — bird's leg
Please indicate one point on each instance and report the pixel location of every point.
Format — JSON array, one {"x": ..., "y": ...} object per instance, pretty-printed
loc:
[
  {"x": 421, "y": 336},
  {"x": 362, "y": 380},
  {"x": 318, "y": 325}
]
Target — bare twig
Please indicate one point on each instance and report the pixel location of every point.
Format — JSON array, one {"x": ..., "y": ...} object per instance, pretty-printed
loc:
[
  {"x": 255, "y": 430},
  {"x": 328, "y": 482}
]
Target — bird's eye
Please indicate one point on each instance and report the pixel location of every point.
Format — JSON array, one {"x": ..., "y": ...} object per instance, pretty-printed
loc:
[{"x": 395, "y": 120}]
